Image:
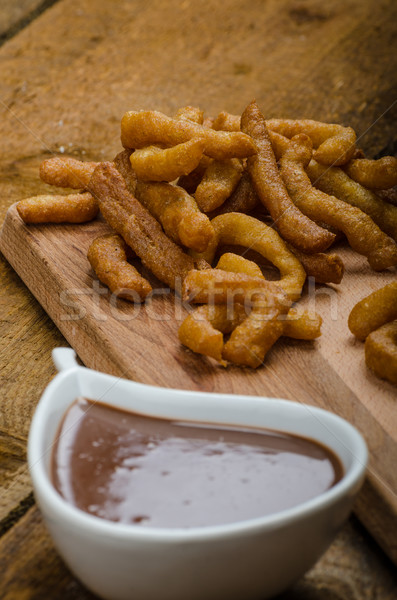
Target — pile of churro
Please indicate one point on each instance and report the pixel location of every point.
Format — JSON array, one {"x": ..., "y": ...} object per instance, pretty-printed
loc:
[{"x": 185, "y": 187}]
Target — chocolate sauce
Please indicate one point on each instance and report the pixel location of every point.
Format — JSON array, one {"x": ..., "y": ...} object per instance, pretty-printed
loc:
[{"x": 130, "y": 468}]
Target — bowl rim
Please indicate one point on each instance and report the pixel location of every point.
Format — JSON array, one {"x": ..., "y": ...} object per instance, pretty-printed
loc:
[{"x": 73, "y": 516}]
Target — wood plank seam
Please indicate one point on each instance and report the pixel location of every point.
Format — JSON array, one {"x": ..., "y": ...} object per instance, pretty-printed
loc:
[{"x": 25, "y": 21}]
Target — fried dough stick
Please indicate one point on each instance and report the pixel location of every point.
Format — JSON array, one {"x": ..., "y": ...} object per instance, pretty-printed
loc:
[
  {"x": 178, "y": 213},
  {"x": 362, "y": 233},
  {"x": 324, "y": 268},
  {"x": 378, "y": 174},
  {"x": 294, "y": 227},
  {"x": 107, "y": 255},
  {"x": 139, "y": 229},
  {"x": 252, "y": 339},
  {"x": 67, "y": 172},
  {"x": 336, "y": 182},
  {"x": 243, "y": 230},
  {"x": 157, "y": 164},
  {"x": 381, "y": 352},
  {"x": 243, "y": 199},
  {"x": 145, "y": 128},
  {"x": 228, "y": 122},
  {"x": 373, "y": 311},
  {"x": 190, "y": 113},
  {"x": 73, "y": 208},
  {"x": 123, "y": 165},
  {"x": 202, "y": 330},
  {"x": 216, "y": 286},
  {"x": 218, "y": 183},
  {"x": 335, "y": 144},
  {"x": 176, "y": 210}
]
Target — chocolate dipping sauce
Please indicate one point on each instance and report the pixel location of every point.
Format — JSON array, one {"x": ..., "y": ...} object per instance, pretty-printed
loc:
[{"x": 129, "y": 468}]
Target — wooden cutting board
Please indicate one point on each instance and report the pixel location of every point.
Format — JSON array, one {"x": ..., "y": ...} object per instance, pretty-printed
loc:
[{"x": 140, "y": 342}]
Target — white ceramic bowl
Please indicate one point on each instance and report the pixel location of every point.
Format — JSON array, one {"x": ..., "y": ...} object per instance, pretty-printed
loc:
[{"x": 257, "y": 558}]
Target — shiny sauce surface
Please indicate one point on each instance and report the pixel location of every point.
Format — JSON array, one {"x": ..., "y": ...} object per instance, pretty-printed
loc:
[{"x": 152, "y": 472}]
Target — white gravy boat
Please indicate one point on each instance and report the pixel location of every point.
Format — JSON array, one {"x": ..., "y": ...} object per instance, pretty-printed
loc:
[{"x": 256, "y": 558}]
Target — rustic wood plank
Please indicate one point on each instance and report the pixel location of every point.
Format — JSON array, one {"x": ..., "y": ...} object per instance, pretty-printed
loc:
[
  {"x": 352, "y": 568},
  {"x": 12, "y": 13},
  {"x": 120, "y": 338}
]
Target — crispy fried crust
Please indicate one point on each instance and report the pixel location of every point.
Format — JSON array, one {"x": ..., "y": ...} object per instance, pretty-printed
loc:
[
  {"x": 243, "y": 199},
  {"x": 67, "y": 172},
  {"x": 219, "y": 180},
  {"x": 294, "y": 227},
  {"x": 123, "y": 165},
  {"x": 381, "y": 352},
  {"x": 73, "y": 208},
  {"x": 373, "y": 311},
  {"x": 156, "y": 164},
  {"x": 216, "y": 286},
  {"x": 190, "y": 113},
  {"x": 178, "y": 213},
  {"x": 227, "y": 122},
  {"x": 107, "y": 255},
  {"x": 324, "y": 268},
  {"x": 378, "y": 174},
  {"x": 140, "y": 129},
  {"x": 202, "y": 330},
  {"x": 335, "y": 144},
  {"x": 246, "y": 231},
  {"x": 140, "y": 230},
  {"x": 336, "y": 182},
  {"x": 363, "y": 235}
]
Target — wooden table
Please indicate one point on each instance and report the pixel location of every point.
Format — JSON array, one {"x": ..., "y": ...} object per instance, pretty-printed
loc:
[{"x": 69, "y": 70}]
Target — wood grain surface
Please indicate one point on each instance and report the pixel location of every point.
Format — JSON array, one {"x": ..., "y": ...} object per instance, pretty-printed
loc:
[{"x": 66, "y": 80}]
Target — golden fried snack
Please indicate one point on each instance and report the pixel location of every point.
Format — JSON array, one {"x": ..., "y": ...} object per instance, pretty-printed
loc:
[
  {"x": 255, "y": 335},
  {"x": 139, "y": 229},
  {"x": 389, "y": 195},
  {"x": 302, "y": 325},
  {"x": 123, "y": 165},
  {"x": 190, "y": 182},
  {"x": 157, "y": 164},
  {"x": 216, "y": 286},
  {"x": 218, "y": 183},
  {"x": 238, "y": 264},
  {"x": 190, "y": 113},
  {"x": 335, "y": 144},
  {"x": 336, "y": 182},
  {"x": 243, "y": 199},
  {"x": 299, "y": 325},
  {"x": 243, "y": 230},
  {"x": 227, "y": 122},
  {"x": 107, "y": 255},
  {"x": 73, "y": 208},
  {"x": 145, "y": 128},
  {"x": 252, "y": 339},
  {"x": 373, "y": 311},
  {"x": 324, "y": 268},
  {"x": 362, "y": 233},
  {"x": 294, "y": 227},
  {"x": 381, "y": 352},
  {"x": 249, "y": 342},
  {"x": 178, "y": 213},
  {"x": 202, "y": 330},
  {"x": 378, "y": 174},
  {"x": 67, "y": 172}
]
